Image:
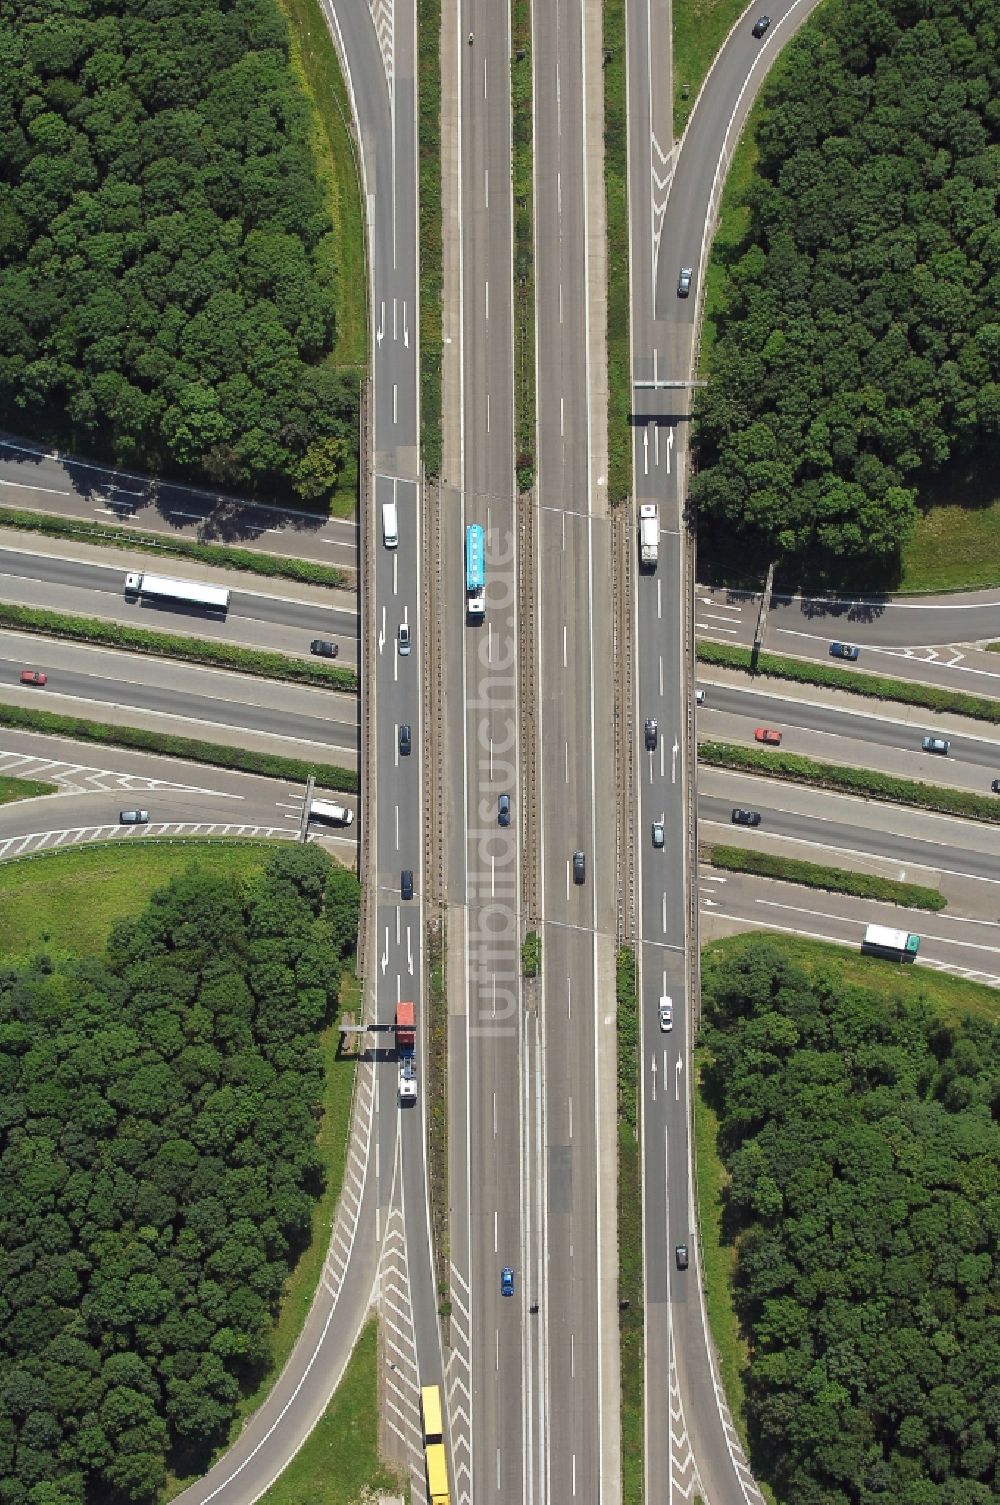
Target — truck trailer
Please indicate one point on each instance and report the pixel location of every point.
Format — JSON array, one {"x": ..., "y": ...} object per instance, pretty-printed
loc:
[
  {"x": 898, "y": 945},
  {"x": 184, "y": 592},
  {"x": 649, "y": 534}
]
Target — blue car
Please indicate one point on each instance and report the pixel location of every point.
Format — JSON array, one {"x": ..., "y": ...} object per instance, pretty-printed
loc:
[
  {"x": 844, "y": 650},
  {"x": 506, "y": 1281}
]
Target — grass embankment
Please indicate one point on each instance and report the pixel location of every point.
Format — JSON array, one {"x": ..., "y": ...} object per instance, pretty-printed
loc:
[
  {"x": 339, "y": 1463},
  {"x": 795, "y": 769},
  {"x": 699, "y": 29},
  {"x": 42, "y": 897},
  {"x": 955, "y": 544},
  {"x": 616, "y": 188},
  {"x": 524, "y": 242},
  {"x": 256, "y": 661},
  {"x": 316, "y": 66},
  {"x": 835, "y": 880},
  {"x": 431, "y": 243},
  {"x": 630, "y": 1289},
  {"x": 855, "y": 681},
  {"x": 331, "y": 1142},
  {"x": 117, "y": 536},
  {"x": 23, "y": 789},
  {"x": 728, "y": 245},
  {"x": 241, "y": 759}
]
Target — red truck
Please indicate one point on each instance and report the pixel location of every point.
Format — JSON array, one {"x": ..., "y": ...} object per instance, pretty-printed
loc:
[{"x": 406, "y": 1029}]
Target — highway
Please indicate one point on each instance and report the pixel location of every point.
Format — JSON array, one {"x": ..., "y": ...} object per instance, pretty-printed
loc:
[
  {"x": 964, "y": 945},
  {"x": 186, "y": 699},
  {"x": 36, "y": 480},
  {"x": 572, "y": 590},
  {"x": 492, "y": 1392},
  {"x": 279, "y": 615},
  {"x": 672, "y": 197},
  {"x": 933, "y": 640},
  {"x": 830, "y": 824}
]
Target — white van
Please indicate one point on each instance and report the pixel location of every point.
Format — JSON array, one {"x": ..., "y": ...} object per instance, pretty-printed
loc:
[
  {"x": 339, "y": 815},
  {"x": 390, "y": 527}
]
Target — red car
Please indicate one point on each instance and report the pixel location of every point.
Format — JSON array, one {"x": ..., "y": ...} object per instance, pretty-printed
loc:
[
  {"x": 33, "y": 677},
  {"x": 769, "y": 735}
]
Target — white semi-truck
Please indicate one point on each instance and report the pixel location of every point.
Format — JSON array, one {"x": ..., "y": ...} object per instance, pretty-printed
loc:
[
  {"x": 183, "y": 592},
  {"x": 898, "y": 945},
  {"x": 649, "y": 534}
]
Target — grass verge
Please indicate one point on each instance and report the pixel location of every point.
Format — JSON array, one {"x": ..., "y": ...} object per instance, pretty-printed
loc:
[
  {"x": 796, "y": 769},
  {"x": 339, "y": 1463},
  {"x": 43, "y": 896},
  {"x": 431, "y": 235},
  {"x": 837, "y": 880},
  {"x": 256, "y": 661},
  {"x": 630, "y": 1289},
  {"x": 730, "y": 239},
  {"x": 699, "y": 29},
  {"x": 331, "y": 1142},
  {"x": 111, "y": 536},
  {"x": 531, "y": 954},
  {"x": 269, "y": 765},
  {"x": 23, "y": 789},
  {"x": 524, "y": 242},
  {"x": 856, "y": 681},
  {"x": 316, "y": 66},
  {"x": 950, "y": 997},
  {"x": 955, "y": 544},
  {"x": 616, "y": 181},
  {"x": 436, "y": 1088}
]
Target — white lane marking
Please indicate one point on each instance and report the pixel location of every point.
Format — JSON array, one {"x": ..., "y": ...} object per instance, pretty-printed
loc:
[
  {"x": 487, "y": 300},
  {"x": 660, "y": 670},
  {"x": 659, "y": 599},
  {"x": 565, "y": 629},
  {"x": 395, "y": 392},
  {"x": 397, "y": 827}
]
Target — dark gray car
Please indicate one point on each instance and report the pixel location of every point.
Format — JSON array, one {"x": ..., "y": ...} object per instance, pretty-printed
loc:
[{"x": 579, "y": 867}]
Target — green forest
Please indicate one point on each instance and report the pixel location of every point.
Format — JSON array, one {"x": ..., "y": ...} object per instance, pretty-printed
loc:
[
  {"x": 158, "y": 1168},
  {"x": 858, "y": 354},
  {"x": 168, "y": 271},
  {"x": 862, "y": 1145}
]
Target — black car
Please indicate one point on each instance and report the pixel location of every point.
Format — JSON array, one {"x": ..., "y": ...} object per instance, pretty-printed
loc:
[
  {"x": 323, "y": 649},
  {"x": 406, "y": 883},
  {"x": 845, "y": 650},
  {"x": 652, "y": 733},
  {"x": 684, "y": 281},
  {"x": 760, "y": 25},
  {"x": 579, "y": 867},
  {"x": 503, "y": 809},
  {"x": 404, "y": 740},
  {"x": 995, "y": 786},
  {"x": 746, "y": 817},
  {"x": 133, "y": 817},
  {"x": 681, "y": 1256}
]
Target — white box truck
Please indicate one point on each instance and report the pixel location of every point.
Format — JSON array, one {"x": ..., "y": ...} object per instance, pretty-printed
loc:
[
  {"x": 649, "y": 534},
  {"x": 898, "y": 945},
  {"x": 390, "y": 525}
]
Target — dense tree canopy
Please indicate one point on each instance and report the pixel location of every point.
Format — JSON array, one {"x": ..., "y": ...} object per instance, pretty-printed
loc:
[
  {"x": 167, "y": 268},
  {"x": 860, "y": 346},
  {"x": 157, "y": 1171},
  {"x": 863, "y": 1145}
]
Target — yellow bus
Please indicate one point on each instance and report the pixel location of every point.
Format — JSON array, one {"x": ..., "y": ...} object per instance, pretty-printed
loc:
[{"x": 435, "y": 1458}]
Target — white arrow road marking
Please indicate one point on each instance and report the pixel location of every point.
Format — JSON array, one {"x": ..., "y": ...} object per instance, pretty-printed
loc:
[
  {"x": 673, "y": 762},
  {"x": 385, "y": 953},
  {"x": 654, "y": 1078},
  {"x": 409, "y": 951},
  {"x": 381, "y": 635},
  {"x": 406, "y": 328},
  {"x": 645, "y": 451},
  {"x": 380, "y": 334},
  {"x": 677, "y": 1079},
  {"x": 670, "y": 445}
]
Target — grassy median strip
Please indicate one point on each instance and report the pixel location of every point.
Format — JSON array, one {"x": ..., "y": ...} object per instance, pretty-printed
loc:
[
  {"x": 23, "y": 789},
  {"x": 630, "y": 1291},
  {"x": 616, "y": 180},
  {"x": 257, "y": 661},
  {"x": 162, "y": 744},
  {"x": 524, "y": 242},
  {"x": 796, "y": 769},
  {"x": 113, "y": 536},
  {"x": 836, "y": 880},
  {"x": 431, "y": 242},
  {"x": 857, "y": 682}
]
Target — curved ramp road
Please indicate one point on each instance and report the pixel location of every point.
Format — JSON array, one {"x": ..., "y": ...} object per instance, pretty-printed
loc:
[{"x": 673, "y": 194}]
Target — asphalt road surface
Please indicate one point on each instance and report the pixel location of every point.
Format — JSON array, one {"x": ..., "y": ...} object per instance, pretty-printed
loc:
[{"x": 36, "y": 480}]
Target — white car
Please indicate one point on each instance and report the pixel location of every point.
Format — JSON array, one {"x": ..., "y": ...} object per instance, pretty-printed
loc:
[
  {"x": 658, "y": 834},
  {"x": 404, "y": 639},
  {"x": 699, "y": 697},
  {"x": 666, "y": 1015}
]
